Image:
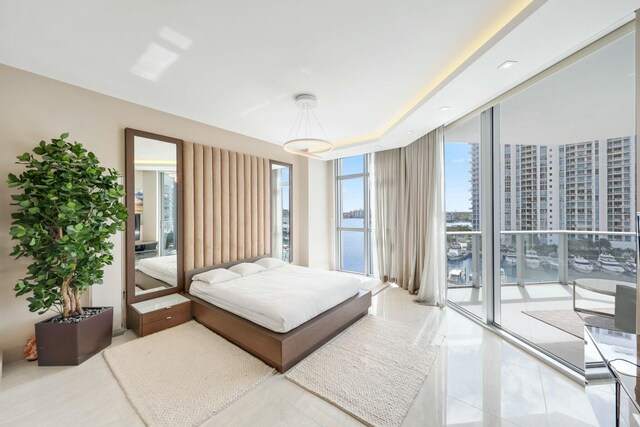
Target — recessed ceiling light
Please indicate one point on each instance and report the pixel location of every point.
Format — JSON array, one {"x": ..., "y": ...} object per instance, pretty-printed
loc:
[
  {"x": 507, "y": 64},
  {"x": 409, "y": 131},
  {"x": 378, "y": 146},
  {"x": 445, "y": 108}
]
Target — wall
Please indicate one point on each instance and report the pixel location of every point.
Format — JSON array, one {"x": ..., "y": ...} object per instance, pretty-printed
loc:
[
  {"x": 33, "y": 108},
  {"x": 317, "y": 218}
]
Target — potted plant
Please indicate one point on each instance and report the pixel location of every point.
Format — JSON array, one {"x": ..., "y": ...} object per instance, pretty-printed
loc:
[{"x": 67, "y": 208}]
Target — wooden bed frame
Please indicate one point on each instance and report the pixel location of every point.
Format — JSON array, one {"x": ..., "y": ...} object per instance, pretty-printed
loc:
[{"x": 282, "y": 351}]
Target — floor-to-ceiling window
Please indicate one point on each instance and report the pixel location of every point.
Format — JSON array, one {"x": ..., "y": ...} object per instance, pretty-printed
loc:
[
  {"x": 561, "y": 193},
  {"x": 567, "y": 162},
  {"x": 281, "y": 196},
  {"x": 462, "y": 202},
  {"x": 353, "y": 221}
]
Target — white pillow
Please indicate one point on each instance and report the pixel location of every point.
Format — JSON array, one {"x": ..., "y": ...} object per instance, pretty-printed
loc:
[
  {"x": 216, "y": 275},
  {"x": 246, "y": 268},
  {"x": 270, "y": 263}
]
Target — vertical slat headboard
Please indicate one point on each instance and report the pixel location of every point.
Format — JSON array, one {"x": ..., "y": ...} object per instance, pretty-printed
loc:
[{"x": 227, "y": 206}]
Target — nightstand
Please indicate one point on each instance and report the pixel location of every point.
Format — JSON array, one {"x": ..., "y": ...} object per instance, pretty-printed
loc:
[{"x": 157, "y": 314}]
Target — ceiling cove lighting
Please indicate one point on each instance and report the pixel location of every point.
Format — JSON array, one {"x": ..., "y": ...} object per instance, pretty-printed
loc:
[
  {"x": 507, "y": 64},
  {"x": 515, "y": 8},
  {"x": 305, "y": 139}
]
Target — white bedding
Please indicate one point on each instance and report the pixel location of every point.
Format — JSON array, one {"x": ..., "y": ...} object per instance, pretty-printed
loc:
[
  {"x": 282, "y": 298},
  {"x": 163, "y": 268}
]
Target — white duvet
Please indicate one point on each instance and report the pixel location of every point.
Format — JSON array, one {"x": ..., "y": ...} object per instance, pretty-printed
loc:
[
  {"x": 282, "y": 298},
  {"x": 163, "y": 268}
]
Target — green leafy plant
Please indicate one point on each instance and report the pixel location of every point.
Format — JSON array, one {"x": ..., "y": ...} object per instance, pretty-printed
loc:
[{"x": 67, "y": 208}]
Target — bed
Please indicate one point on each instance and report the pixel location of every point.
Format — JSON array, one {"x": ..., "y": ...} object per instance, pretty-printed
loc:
[
  {"x": 157, "y": 272},
  {"x": 288, "y": 318}
]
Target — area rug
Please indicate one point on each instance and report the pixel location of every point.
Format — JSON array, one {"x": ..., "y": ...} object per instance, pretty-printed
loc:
[
  {"x": 184, "y": 375},
  {"x": 373, "y": 370},
  {"x": 570, "y": 321}
]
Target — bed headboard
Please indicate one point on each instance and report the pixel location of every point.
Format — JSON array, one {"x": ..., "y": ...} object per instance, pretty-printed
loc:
[{"x": 190, "y": 273}]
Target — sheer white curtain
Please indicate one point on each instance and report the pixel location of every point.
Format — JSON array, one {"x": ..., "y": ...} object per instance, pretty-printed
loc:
[
  {"x": 388, "y": 218},
  {"x": 433, "y": 287},
  {"x": 410, "y": 217}
]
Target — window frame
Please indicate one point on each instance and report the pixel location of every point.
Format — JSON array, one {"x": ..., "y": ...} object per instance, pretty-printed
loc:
[
  {"x": 366, "y": 230},
  {"x": 271, "y": 196}
]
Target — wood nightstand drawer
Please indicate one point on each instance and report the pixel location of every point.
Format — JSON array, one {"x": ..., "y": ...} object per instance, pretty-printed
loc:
[
  {"x": 165, "y": 323},
  {"x": 157, "y": 314},
  {"x": 163, "y": 313}
]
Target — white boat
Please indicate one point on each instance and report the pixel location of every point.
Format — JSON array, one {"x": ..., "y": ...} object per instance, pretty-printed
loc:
[
  {"x": 609, "y": 264},
  {"x": 630, "y": 266},
  {"x": 456, "y": 253},
  {"x": 552, "y": 261},
  {"x": 511, "y": 258},
  {"x": 532, "y": 259},
  {"x": 456, "y": 277},
  {"x": 581, "y": 265}
]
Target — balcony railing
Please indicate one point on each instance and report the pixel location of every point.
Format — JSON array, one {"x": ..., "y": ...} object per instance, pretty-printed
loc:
[{"x": 544, "y": 256}]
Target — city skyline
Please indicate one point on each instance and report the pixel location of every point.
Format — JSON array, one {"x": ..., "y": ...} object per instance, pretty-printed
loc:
[
  {"x": 584, "y": 186},
  {"x": 457, "y": 157}
]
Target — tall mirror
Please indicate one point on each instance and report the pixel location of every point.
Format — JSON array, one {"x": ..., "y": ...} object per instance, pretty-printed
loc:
[
  {"x": 281, "y": 216},
  {"x": 154, "y": 229}
]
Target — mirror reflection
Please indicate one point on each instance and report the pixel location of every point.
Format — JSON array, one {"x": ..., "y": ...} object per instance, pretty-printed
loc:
[
  {"x": 156, "y": 215},
  {"x": 281, "y": 211}
]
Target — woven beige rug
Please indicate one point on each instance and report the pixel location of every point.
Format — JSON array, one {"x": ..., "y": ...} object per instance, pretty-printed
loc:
[
  {"x": 184, "y": 375},
  {"x": 373, "y": 370}
]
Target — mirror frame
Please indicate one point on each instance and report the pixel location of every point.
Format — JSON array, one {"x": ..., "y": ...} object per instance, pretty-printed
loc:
[
  {"x": 290, "y": 166},
  {"x": 129, "y": 154}
]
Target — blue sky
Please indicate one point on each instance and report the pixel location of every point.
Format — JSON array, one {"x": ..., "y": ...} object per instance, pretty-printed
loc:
[
  {"x": 457, "y": 172},
  {"x": 352, "y": 189}
]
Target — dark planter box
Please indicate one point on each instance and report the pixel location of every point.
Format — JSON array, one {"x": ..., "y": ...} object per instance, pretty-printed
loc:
[{"x": 66, "y": 344}]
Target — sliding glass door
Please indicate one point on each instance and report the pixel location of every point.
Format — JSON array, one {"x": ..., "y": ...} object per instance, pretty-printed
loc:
[
  {"x": 567, "y": 163},
  {"x": 543, "y": 184},
  {"x": 464, "y": 237}
]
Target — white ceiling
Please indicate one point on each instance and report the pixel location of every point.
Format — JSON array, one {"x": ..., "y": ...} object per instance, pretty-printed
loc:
[
  {"x": 593, "y": 98},
  {"x": 238, "y": 64}
]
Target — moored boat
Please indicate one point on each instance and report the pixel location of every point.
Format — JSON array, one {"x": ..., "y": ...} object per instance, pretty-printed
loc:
[
  {"x": 532, "y": 259},
  {"x": 456, "y": 253},
  {"x": 581, "y": 265},
  {"x": 511, "y": 258},
  {"x": 609, "y": 264},
  {"x": 630, "y": 266}
]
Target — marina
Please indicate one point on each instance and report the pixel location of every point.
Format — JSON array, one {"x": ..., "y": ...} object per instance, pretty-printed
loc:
[{"x": 543, "y": 269}]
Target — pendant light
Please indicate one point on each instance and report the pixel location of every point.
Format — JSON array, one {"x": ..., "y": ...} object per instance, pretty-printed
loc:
[{"x": 307, "y": 138}]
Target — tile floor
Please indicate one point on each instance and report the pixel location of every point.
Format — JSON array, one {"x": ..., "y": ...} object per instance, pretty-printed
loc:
[
  {"x": 478, "y": 379},
  {"x": 516, "y": 299}
]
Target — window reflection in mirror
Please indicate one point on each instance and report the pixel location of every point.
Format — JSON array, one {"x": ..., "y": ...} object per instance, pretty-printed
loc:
[
  {"x": 281, "y": 211},
  {"x": 156, "y": 215}
]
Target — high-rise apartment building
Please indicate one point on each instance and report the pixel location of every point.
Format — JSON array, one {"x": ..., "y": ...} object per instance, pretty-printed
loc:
[{"x": 580, "y": 186}]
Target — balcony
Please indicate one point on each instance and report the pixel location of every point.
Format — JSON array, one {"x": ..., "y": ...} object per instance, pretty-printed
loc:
[{"x": 541, "y": 283}]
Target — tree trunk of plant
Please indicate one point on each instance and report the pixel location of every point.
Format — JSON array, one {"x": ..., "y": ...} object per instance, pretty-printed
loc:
[
  {"x": 76, "y": 296},
  {"x": 66, "y": 301},
  {"x": 72, "y": 302}
]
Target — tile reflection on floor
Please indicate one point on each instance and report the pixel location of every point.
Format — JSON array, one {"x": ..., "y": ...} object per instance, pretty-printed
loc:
[
  {"x": 478, "y": 379},
  {"x": 533, "y": 297}
]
